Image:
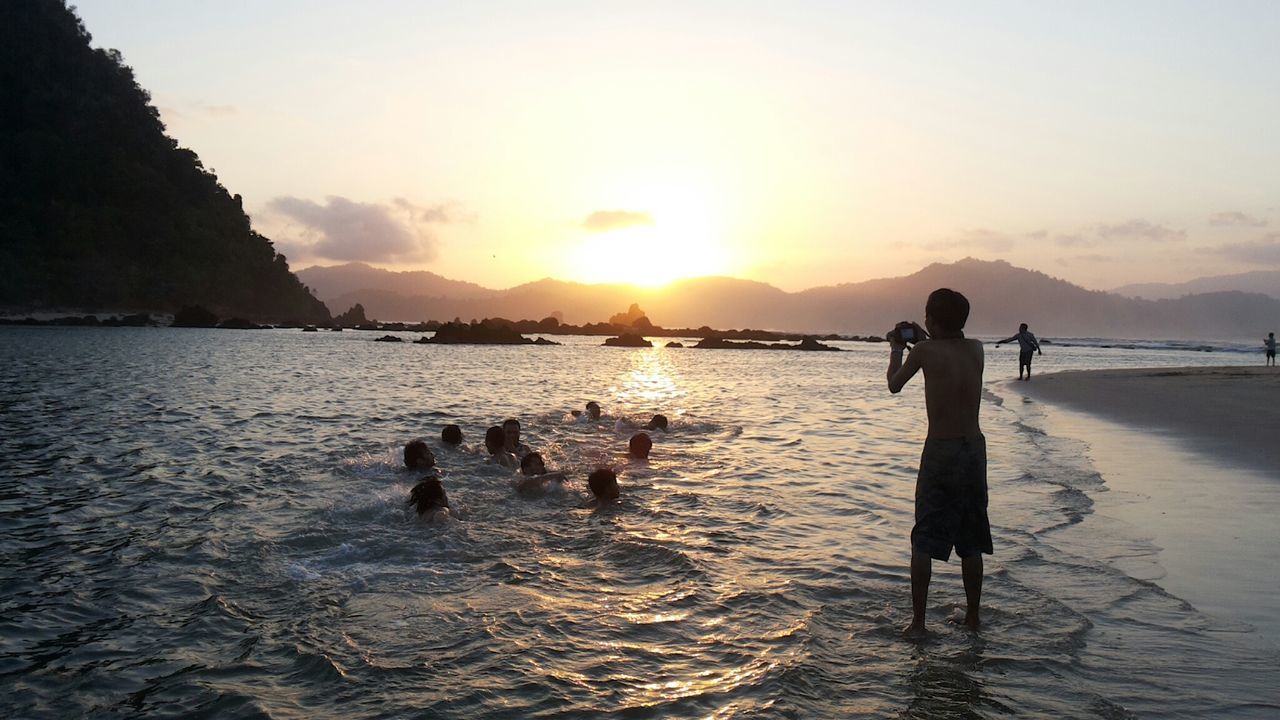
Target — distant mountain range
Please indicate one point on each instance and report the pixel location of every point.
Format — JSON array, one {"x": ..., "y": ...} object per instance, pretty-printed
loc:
[
  {"x": 1001, "y": 295},
  {"x": 1266, "y": 282}
]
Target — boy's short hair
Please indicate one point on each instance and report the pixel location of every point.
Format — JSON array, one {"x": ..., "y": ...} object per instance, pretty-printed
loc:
[
  {"x": 511, "y": 421},
  {"x": 1023, "y": 326},
  {"x": 428, "y": 494},
  {"x": 527, "y": 461},
  {"x": 495, "y": 437},
  {"x": 948, "y": 308},
  {"x": 451, "y": 434},
  {"x": 603, "y": 484},
  {"x": 418, "y": 455},
  {"x": 639, "y": 445}
]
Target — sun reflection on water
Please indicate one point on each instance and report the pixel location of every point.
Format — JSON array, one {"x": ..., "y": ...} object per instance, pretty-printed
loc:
[{"x": 652, "y": 381}]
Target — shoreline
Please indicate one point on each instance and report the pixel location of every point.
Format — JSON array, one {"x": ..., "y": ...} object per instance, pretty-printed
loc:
[
  {"x": 1156, "y": 437},
  {"x": 1231, "y": 414}
]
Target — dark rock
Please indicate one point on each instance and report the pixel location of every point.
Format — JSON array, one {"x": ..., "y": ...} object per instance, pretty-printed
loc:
[
  {"x": 486, "y": 333},
  {"x": 195, "y": 316},
  {"x": 807, "y": 344},
  {"x": 309, "y": 328},
  {"x": 238, "y": 324},
  {"x": 628, "y": 340},
  {"x": 544, "y": 341},
  {"x": 389, "y": 338},
  {"x": 812, "y": 344},
  {"x": 675, "y": 344},
  {"x": 137, "y": 320}
]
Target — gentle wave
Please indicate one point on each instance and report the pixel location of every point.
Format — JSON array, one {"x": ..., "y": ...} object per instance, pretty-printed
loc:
[{"x": 213, "y": 524}]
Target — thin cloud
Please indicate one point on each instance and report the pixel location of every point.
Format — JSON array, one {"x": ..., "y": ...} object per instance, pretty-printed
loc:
[
  {"x": 215, "y": 110},
  {"x": 1264, "y": 252},
  {"x": 605, "y": 220},
  {"x": 976, "y": 239},
  {"x": 1072, "y": 240},
  {"x": 346, "y": 230},
  {"x": 1090, "y": 258},
  {"x": 1139, "y": 230},
  {"x": 1235, "y": 218}
]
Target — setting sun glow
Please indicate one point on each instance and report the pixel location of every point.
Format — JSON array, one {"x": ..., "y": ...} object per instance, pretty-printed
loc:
[{"x": 680, "y": 238}]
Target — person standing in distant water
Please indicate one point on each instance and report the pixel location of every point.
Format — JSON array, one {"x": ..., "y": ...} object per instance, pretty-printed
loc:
[
  {"x": 1027, "y": 344},
  {"x": 1270, "y": 343},
  {"x": 951, "y": 487}
]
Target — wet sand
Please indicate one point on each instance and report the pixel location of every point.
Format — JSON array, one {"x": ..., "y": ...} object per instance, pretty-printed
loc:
[
  {"x": 1191, "y": 459},
  {"x": 1229, "y": 413}
]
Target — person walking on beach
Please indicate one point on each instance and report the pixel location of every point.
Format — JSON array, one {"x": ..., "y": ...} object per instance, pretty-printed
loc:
[
  {"x": 951, "y": 487},
  {"x": 1026, "y": 345},
  {"x": 1270, "y": 343}
]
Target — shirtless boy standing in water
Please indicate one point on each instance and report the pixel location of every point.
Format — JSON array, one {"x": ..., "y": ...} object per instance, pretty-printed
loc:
[{"x": 951, "y": 488}]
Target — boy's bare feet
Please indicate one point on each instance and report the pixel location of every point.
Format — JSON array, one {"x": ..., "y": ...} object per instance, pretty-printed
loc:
[
  {"x": 966, "y": 618},
  {"x": 915, "y": 631}
]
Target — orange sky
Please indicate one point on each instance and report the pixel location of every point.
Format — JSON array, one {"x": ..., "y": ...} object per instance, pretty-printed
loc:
[{"x": 801, "y": 144}]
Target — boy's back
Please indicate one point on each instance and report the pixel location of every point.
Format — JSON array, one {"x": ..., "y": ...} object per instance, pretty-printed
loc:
[{"x": 952, "y": 385}]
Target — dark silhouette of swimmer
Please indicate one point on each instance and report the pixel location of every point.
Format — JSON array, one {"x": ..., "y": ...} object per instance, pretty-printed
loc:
[
  {"x": 511, "y": 430},
  {"x": 417, "y": 456},
  {"x": 430, "y": 499},
  {"x": 657, "y": 422},
  {"x": 1026, "y": 345},
  {"x": 495, "y": 441},
  {"x": 451, "y": 435},
  {"x": 604, "y": 485},
  {"x": 535, "y": 476},
  {"x": 951, "y": 486},
  {"x": 639, "y": 446},
  {"x": 1270, "y": 344},
  {"x": 592, "y": 411}
]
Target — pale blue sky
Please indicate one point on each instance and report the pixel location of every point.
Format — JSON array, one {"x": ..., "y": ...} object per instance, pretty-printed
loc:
[{"x": 799, "y": 143}]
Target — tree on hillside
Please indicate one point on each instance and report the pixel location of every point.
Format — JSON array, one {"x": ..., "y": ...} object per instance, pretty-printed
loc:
[{"x": 98, "y": 207}]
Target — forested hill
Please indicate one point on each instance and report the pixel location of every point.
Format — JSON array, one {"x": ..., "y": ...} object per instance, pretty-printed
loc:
[{"x": 99, "y": 209}]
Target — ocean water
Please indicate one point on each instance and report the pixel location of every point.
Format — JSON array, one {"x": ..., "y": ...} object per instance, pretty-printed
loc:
[{"x": 212, "y": 524}]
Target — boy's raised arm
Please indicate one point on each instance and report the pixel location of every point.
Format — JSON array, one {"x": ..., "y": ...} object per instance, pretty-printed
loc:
[{"x": 901, "y": 371}]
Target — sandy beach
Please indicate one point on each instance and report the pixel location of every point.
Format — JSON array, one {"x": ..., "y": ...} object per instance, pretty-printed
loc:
[
  {"x": 1189, "y": 456},
  {"x": 1229, "y": 413}
]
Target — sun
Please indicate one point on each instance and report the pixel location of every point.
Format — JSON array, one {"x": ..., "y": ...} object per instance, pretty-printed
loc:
[{"x": 683, "y": 241}]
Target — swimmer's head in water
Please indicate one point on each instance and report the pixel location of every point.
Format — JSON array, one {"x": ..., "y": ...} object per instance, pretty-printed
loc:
[
  {"x": 428, "y": 495},
  {"x": 657, "y": 422},
  {"x": 494, "y": 439},
  {"x": 533, "y": 464},
  {"x": 417, "y": 455},
  {"x": 947, "y": 310},
  {"x": 451, "y": 434},
  {"x": 603, "y": 484},
  {"x": 593, "y": 410},
  {"x": 511, "y": 428},
  {"x": 640, "y": 445}
]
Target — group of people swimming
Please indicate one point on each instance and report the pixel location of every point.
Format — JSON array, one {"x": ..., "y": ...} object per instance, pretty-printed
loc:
[{"x": 504, "y": 449}]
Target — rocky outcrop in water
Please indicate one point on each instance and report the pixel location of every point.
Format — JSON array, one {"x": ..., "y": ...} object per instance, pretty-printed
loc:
[
  {"x": 628, "y": 340},
  {"x": 807, "y": 344}
]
